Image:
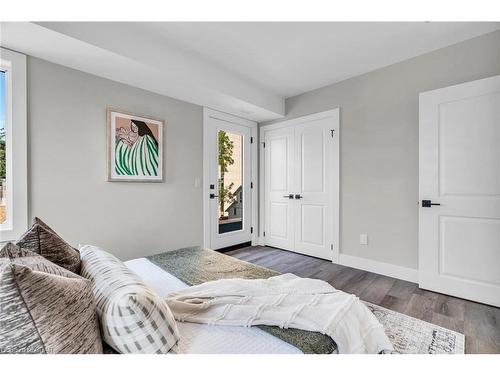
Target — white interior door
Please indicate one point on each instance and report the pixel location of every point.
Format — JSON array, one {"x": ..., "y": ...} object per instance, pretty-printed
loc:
[
  {"x": 459, "y": 239},
  {"x": 301, "y": 185},
  {"x": 315, "y": 143},
  {"x": 228, "y": 183},
  {"x": 279, "y": 188}
]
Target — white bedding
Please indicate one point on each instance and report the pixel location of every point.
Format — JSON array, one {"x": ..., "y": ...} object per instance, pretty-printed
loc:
[{"x": 207, "y": 339}]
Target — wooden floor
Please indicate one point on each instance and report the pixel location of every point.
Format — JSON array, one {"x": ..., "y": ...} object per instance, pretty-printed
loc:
[{"x": 480, "y": 323}]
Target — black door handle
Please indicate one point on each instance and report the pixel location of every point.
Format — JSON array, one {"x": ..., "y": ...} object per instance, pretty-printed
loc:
[
  {"x": 298, "y": 196},
  {"x": 212, "y": 196},
  {"x": 428, "y": 203},
  {"x": 289, "y": 196}
]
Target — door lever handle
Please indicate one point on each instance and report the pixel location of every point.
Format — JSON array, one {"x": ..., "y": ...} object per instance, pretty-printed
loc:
[
  {"x": 212, "y": 196},
  {"x": 428, "y": 203},
  {"x": 289, "y": 196},
  {"x": 298, "y": 196}
]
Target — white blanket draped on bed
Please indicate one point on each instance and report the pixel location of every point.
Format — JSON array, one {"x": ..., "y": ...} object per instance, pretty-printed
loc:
[{"x": 287, "y": 301}]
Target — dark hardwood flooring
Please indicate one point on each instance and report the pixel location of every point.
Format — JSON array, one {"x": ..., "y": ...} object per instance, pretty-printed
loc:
[{"x": 480, "y": 323}]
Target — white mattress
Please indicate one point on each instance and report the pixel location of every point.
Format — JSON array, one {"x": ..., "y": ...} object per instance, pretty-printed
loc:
[{"x": 207, "y": 339}]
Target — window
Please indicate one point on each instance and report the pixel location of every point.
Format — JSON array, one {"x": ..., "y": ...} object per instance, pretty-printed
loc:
[
  {"x": 13, "y": 146},
  {"x": 3, "y": 175},
  {"x": 230, "y": 182}
]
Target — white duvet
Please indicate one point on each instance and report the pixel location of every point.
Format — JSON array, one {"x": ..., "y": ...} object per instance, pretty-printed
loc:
[
  {"x": 207, "y": 339},
  {"x": 287, "y": 301}
]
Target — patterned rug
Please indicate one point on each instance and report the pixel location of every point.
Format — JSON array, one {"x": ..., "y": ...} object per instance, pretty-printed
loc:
[{"x": 414, "y": 336}]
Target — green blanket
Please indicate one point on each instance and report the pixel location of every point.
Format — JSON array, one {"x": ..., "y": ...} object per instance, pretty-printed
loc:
[{"x": 195, "y": 265}]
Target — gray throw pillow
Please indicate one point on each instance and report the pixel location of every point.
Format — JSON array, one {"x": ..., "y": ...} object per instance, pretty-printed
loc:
[
  {"x": 43, "y": 240},
  {"x": 44, "y": 308}
]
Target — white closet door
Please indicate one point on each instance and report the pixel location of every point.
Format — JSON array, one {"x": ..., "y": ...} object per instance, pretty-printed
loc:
[
  {"x": 459, "y": 237},
  {"x": 279, "y": 188},
  {"x": 314, "y": 166},
  {"x": 301, "y": 185}
]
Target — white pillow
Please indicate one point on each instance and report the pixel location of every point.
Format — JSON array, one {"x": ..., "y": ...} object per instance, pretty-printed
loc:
[{"x": 134, "y": 319}]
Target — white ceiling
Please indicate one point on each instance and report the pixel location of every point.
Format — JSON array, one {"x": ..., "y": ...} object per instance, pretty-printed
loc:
[
  {"x": 290, "y": 58},
  {"x": 246, "y": 69}
]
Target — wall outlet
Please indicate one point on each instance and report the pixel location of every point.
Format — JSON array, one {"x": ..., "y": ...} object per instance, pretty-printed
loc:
[{"x": 363, "y": 239}]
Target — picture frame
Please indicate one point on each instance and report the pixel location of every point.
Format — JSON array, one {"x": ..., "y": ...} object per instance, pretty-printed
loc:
[{"x": 134, "y": 147}]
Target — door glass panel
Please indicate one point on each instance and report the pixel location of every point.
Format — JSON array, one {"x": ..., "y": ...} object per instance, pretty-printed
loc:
[{"x": 230, "y": 182}]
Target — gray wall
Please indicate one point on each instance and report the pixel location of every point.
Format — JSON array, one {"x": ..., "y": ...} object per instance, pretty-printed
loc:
[
  {"x": 67, "y": 172},
  {"x": 379, "y": 143}
]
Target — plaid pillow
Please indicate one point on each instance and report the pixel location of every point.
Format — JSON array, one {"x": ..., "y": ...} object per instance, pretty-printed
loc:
[{"x": 134, "y": 319}]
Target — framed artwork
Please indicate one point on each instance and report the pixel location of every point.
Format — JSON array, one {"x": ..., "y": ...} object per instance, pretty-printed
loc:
[{"x": 135, "y": 147}]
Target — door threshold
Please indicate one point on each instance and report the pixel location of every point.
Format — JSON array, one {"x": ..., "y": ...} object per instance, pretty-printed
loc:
[{"x": 235, "y": 247}]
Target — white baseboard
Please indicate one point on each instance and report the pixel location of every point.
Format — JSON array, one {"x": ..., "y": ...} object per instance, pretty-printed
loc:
[{"x": 386, "y": 269}]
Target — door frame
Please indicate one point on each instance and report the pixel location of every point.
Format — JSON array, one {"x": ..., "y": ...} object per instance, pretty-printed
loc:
[
  {"x": 209, "y": 113},
  {"x": 333, "y": 113}
]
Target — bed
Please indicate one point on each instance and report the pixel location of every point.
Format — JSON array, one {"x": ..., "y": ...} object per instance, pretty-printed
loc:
[
  {"x": 173, "y": 271},
  {"x": 200, "y": 338}
]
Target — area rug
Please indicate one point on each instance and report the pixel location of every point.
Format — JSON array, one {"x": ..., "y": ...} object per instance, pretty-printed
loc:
[{"x": 414, "y": 336}]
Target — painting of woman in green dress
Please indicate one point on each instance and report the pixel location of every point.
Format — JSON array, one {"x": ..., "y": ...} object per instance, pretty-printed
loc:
[{"x": 136, "y": 154}]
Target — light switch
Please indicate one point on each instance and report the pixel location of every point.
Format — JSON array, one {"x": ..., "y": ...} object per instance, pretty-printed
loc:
[{"x": 363, "y": 239}]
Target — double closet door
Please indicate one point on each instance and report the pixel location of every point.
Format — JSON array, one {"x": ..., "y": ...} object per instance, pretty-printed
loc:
[{"x": 301, "y": 185}]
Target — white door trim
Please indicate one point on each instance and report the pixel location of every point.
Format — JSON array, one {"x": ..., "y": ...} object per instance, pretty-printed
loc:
[
  {"x": 334, "y": 113},
  {"x": 211, "y": 113},
  {"x": 302, "y": 119}
]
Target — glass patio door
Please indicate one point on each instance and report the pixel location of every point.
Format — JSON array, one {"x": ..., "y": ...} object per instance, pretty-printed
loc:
[{"x": 229, "y": 183}]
